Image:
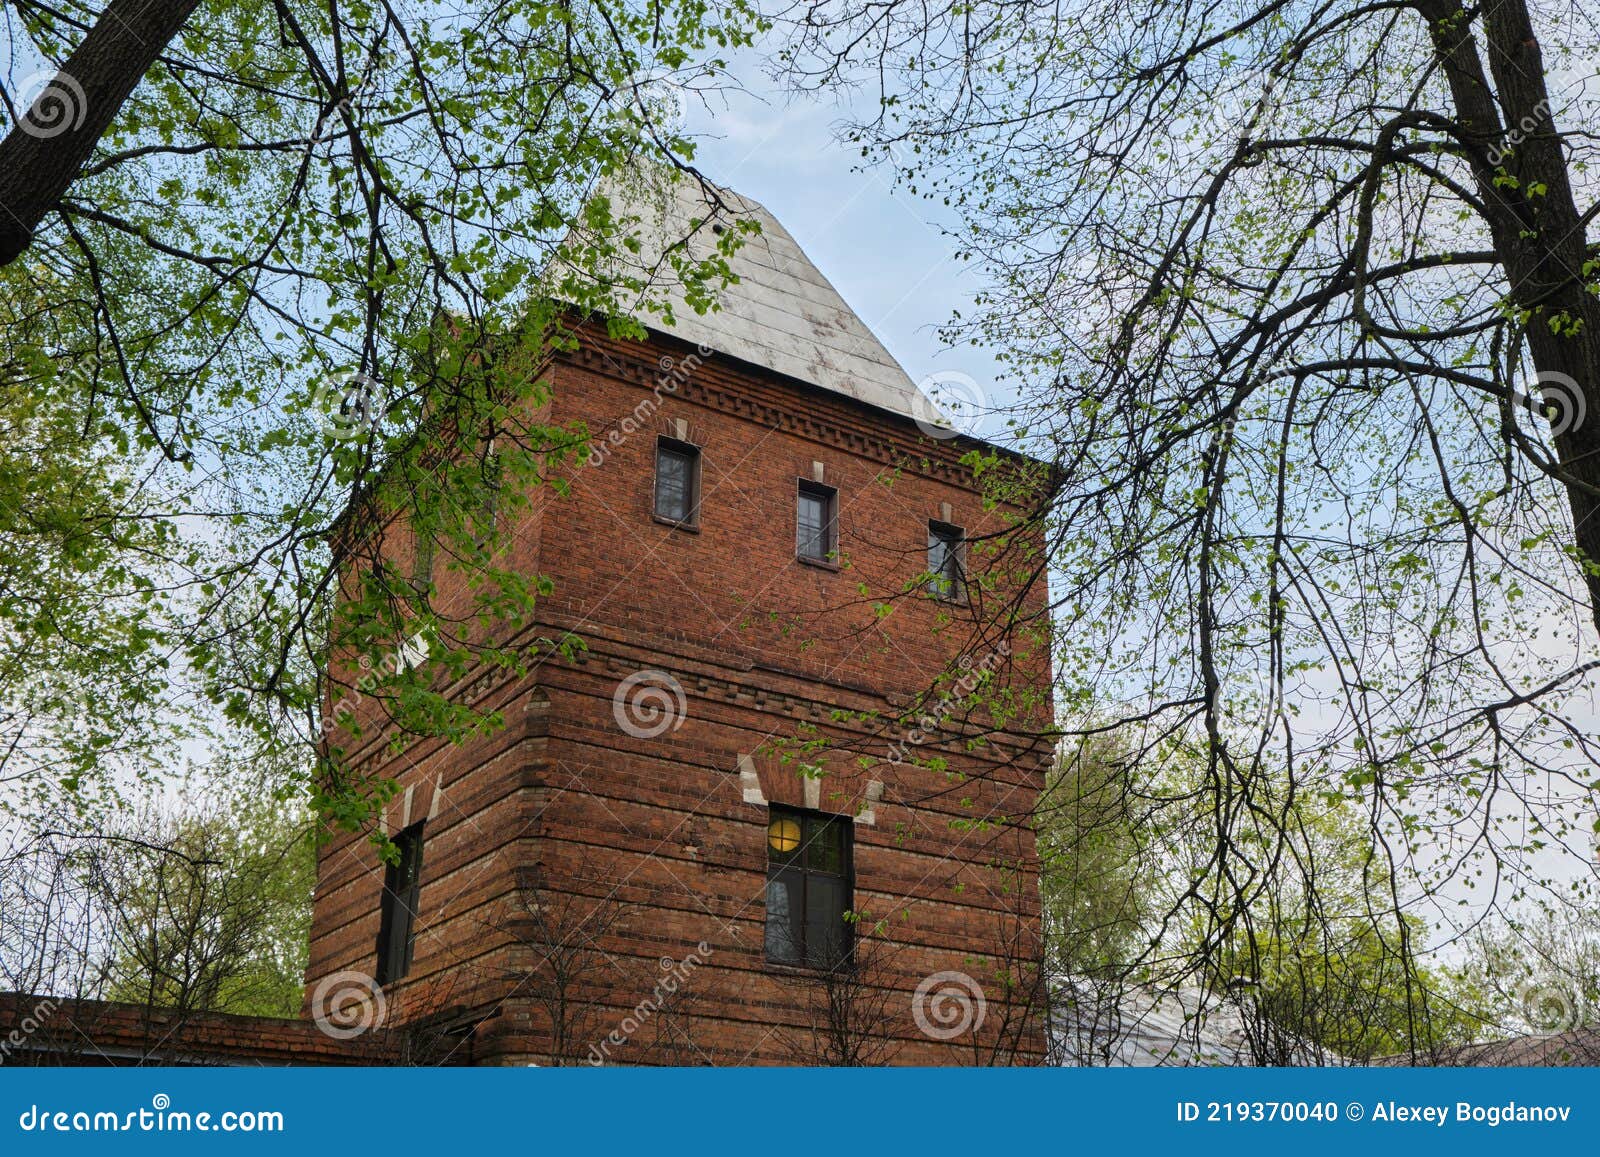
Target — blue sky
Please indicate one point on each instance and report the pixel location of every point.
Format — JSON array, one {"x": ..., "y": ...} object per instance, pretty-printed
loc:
[{"x": 880, "y": 246}]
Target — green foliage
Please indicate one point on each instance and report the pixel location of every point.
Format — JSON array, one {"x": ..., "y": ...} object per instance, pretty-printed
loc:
[
  {"x": 84, "y": 659},
  {"x": 1097, "y": 899},
  {"x": 209, "y": 908},
  {"x": 1264, "y": 281},
  {"x": 1320, "y": 957},
  {"x": 307, "y": 284}
]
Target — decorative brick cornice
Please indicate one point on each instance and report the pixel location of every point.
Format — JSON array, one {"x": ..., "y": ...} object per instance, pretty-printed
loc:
[{"x": 724, "y": 384}]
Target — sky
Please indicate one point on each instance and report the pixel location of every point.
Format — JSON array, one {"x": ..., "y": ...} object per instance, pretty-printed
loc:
[
  {"x": 879, "y": 246},
  {"x": 882, "y": 249}
]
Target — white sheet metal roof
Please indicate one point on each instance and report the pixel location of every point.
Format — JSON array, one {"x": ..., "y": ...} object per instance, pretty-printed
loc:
[
  {"x": 780, "y": 313},
  {"x": 1146, "y": 1027}
]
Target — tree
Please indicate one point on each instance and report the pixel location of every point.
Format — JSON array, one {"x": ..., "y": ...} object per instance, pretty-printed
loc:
[
  {"x": 78, "y": 596},
  {"x": 1322, "y": 964},
  {"x": 208, "y": 910},
  {"x": 849, "y": 1012},
  {"x": 1300, "y": 302},
  {"x": 1097, "y": 893},
  {"x": 175, "y": 910},
  {"x": 304, "y": 263},
  {"x": 1543, "y": 971},
  {"x": 560, "y": 964}
]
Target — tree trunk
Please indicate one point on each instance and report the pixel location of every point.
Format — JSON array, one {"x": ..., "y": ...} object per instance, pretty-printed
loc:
[
  {"x": 44, "y": 152},
  {"x": 1539, "y": 236}
]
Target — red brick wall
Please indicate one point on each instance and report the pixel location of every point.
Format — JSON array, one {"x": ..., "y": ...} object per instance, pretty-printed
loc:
[
  {"x": 647, "y": 848},
  {"x": 41, "y": 1031}
]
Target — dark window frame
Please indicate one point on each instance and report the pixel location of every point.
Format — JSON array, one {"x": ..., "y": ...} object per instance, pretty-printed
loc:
[
  {"x": 687, "y": 450},
  {"x": 424, "y": 548},
  {"x": 493, "y": 472},
  {"x": 815, "y": 883},
  {"x": 829, "y": 556},
  {"x": 401, "y": 900},
  {"x": 947, "y": 582}
]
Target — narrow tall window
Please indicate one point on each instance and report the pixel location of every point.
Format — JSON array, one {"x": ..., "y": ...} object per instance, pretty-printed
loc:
[
  {"x": 816, "y": 522},
  {"x": 808, "y": 889},
  {"x": 493, "y": 473},
  {"x": 422, "y": 560},
  {"x": 677, "y": 481},
  {"x": 402, "y": 891},
  {"x": 946, "y": 561}
]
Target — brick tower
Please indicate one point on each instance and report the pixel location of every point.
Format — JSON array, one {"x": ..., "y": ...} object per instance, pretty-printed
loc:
[{"x": 716, "y": 837}]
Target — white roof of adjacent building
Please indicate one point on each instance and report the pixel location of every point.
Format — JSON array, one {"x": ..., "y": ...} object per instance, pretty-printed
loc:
[
  {"x": 1144, "y": 1026},
  {"x": 778, "y": 312}
]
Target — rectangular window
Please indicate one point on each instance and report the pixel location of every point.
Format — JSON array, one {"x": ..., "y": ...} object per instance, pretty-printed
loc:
[
  {"x": 946, "y": 561},
  {"x": 422, "y": 561},
  {"x": 492, "y": 474},
  {"x": 402, "y": 890},
  {"x": 816, "y": 522},
  {"x": 808, "y": 889},
  {"x": 677, "y": 481}
]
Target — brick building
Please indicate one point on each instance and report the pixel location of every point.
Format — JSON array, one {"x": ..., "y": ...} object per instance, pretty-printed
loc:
[{"x": 641, "y": 866}]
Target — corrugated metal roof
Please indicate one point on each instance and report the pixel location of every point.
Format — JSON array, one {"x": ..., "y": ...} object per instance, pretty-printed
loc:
[{"x": 780, "y": 312}]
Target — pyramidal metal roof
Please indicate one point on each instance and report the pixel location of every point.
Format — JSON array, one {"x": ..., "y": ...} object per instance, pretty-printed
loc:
[{"x": 779, "y": 311}]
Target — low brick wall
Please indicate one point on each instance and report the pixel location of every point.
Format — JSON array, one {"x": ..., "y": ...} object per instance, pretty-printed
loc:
[{"x": 37, "y": 1030}]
